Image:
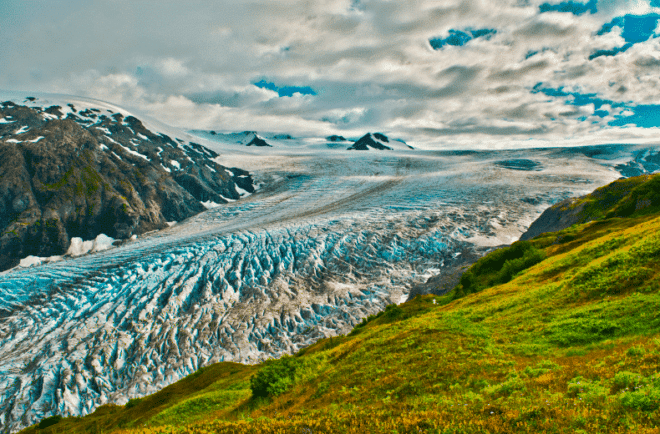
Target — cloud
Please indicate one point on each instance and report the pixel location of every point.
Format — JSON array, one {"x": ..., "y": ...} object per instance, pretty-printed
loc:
[{"x": 440, "y": 75}]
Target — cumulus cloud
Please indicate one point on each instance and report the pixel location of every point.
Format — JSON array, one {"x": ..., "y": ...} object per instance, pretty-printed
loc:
[{"x": 436, "y": 75}]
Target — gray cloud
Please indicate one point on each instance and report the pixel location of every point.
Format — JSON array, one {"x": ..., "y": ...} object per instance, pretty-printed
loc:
[{"x": 194, "y": 64}]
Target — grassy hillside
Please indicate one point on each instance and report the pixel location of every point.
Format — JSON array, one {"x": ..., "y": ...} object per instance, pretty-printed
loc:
[{"x": 558, "y": 334}]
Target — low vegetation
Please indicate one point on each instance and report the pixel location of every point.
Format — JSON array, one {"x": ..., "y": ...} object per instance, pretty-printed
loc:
[{"x": 558, "y": 334}]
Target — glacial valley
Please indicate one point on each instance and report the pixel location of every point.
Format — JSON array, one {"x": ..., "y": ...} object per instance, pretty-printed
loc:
[{"x": 330, "y": 236}]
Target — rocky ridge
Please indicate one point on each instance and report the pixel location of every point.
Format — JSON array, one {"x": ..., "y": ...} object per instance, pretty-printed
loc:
[{"x": 68, "y": 173}]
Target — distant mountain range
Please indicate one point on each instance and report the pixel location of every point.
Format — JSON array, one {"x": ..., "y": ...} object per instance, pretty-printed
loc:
[
  {"x": 68, "y": 171},
  {"x": 370, "y": 141}
]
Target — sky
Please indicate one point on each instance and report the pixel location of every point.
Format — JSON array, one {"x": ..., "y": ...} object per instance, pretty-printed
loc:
[{"x": 489, "y": 74}]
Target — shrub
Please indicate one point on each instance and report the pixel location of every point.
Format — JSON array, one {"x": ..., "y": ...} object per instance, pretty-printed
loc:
[
  {"x": 513, "y": 383},
  {"x": 275, "y": 377},
  {"x": 499, "y": 267},
  {"x": 648, "y": 400},
  {"x": 541, "y": 368},
  {"x": 625, "y": 379},
  {"x": 582, "y": 330},
  {"x": 49, "y": 421},
  {"x": 588, "y": 391},
  {"x": 133, "y": 402},
  {"x": 392, "y": 312},
  {"x": 636, "y": 351}
]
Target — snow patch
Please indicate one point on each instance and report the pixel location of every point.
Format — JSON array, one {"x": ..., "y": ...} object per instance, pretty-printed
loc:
[
  {"x": 6, "y": 121},
  {"x": 49, "y": 116},
  {"x": 36, "y": 140},
  {"x": 142, "y": 136},
  {"x": 209, "y": 204},
  {"x": 241, "y": 192},
  {"x": 104, "y": 130},
  {"x": 13, "y": 141},
  {"x": 132, "y": 152},
  {"x": 22, "y": 130},
  {"x": 175, "y": 164}
]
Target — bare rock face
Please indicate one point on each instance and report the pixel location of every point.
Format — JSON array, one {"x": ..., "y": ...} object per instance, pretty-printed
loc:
[{"x": 67, "y": 173}]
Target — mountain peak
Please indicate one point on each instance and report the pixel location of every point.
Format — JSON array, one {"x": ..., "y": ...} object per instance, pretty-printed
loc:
[
  {"x": 258, "y": 141},
  {"x": 369, "y": 141}
]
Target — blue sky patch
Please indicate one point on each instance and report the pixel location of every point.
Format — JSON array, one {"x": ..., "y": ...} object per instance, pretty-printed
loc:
[
  {"x": 571, "y": 6},
  {"x": 459, "y": 38},
  {"x": 611, "y": 52},
  {"x": 645, "y": 116},
  {"x": 635, "y": 29},
  {"x": 285, "y": 90}
]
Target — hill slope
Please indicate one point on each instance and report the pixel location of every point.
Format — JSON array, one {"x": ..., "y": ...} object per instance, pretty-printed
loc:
[
  {"x": 621, "y": 198},
  {"x": 68, "y": 172},
  {"x": 556, "y": 334}
]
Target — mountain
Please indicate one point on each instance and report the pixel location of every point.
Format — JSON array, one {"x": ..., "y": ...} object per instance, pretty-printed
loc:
[
  {"x": 257, "y": 141},
  {"x": 377, "y": 141},
  {"x": 369, "y": 141},
  {"x": 245, "y": 138},
  {"x": 556, "y": 334},
  {"x": 68, "y": 172}
]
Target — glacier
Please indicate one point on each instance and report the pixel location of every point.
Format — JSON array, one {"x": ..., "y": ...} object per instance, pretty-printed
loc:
[{"x": 329, "y": 238}]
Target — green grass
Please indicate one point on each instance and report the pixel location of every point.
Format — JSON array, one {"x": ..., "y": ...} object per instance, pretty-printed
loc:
[{"x": 567, "y": 340}]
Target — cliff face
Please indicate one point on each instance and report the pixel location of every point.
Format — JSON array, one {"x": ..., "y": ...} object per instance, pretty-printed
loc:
[{"x": 66, "y": 173}]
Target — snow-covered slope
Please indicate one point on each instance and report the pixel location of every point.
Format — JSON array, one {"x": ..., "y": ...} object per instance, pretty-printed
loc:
[{"x": 328, "y": 240}]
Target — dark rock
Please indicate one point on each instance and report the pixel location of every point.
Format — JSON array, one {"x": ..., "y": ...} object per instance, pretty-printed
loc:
[
  {"x": 90, "y": 174},
  {"x": 335, "y": 138},
  {"x": 283, "y": 137},
  {"x": 453, "y": 269},
  {"x": 381, "y": 137},
  {"x": 258, "y": 141},
  {"x": 559, "y": 216}
]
